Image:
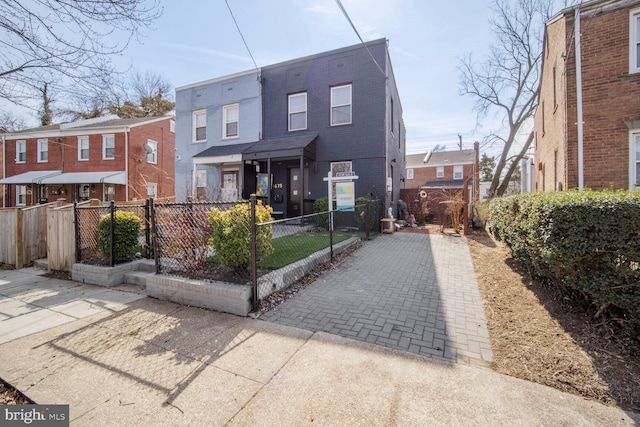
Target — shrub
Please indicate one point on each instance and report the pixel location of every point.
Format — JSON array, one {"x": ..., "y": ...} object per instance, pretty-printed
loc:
[
  {"x": 364, "y": 204},
  {"x": 587, "y": 242},
  {"x": 231, "y": 236},
  {"x": 126, "y": 229},
  {"x": 321, "y": 206}
]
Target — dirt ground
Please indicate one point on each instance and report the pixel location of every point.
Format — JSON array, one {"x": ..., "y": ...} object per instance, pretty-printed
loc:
[{"x": 541, "y": 336}]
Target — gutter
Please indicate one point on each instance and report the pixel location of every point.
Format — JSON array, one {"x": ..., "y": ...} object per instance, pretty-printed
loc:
[
  {"x": 126, "y": 163},
  {"x": 578, "y": 49}
]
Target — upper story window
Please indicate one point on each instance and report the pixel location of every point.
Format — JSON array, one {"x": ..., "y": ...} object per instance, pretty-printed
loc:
[
  {"x": 230, "y": 121},
  {"x": 43, "y": 150},
  {"x": 298, "y": 111},
  {"x": 392, "y": 122},
  {"x": 108, "y": 147},
  {"x": 21, "y": 151},
  {"x": 634, "y": 41},
  {"x": 440, "y": 172},
  {"x": 409, "y": 173},
  {"x": 200, "y": 126},
  {"x": 83, "y": 148},
  {"x": 152, "y": 153},
  {"x": 457, "y": 172},
  {"x": 341, "y": 105}
]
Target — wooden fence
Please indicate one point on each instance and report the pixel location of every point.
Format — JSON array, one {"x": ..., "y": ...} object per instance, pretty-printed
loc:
[{"x": 24, "y": 234}]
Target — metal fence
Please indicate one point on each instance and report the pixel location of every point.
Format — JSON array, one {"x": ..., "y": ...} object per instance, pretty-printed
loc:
[{"x": 268, "y": 255}]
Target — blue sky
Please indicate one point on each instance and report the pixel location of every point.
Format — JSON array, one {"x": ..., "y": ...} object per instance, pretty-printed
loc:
[{"x": 196, "y": 41}]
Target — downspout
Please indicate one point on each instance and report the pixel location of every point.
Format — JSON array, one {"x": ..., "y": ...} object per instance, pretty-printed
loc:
[
  {"x": 126, "y": 163},
  {"x": 4, "y": 171},
  {"x": 579, "y": 99}
]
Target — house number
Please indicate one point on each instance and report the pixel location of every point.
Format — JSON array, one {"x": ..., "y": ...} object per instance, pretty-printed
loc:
[{"x": 279, "y": 185}]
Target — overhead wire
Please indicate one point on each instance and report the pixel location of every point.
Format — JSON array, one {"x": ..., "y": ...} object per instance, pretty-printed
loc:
[
  {"x": 346, "y": 15},
  {"x": 240, "y": 32}
]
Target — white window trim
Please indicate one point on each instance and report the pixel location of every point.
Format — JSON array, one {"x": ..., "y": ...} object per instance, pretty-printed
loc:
[
  {"x": 104, "y": 147},
  {"x": 80, "y": 139},
  {"x": 633, "y": 41},
  {"x": 21, "y": 143},
  {"x": 43, "y": 142},
  {"x": 439, "y": 171},
  {"x": 154, "y": 186},
  {"x": 633, "y": 179},
  {"x": 409, "y": 173},
  {"x": 350, "y": 104},
  {"x": 295, "y": 95},
  {"x": 18, "y": 187},
  {"x": 194, "y": 116},
  {"x": 458, "y": 169},
  {"x": 154, "y": 154},
  {"x": 225, "y": 111}
]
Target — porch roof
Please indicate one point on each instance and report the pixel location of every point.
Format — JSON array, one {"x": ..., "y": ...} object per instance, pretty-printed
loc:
[
  {"x": 109, "y": 177},
  {"x": 224, "y": 150},
  {"x": 31, "y": 177},
  {"x": 290, "y": 146}
]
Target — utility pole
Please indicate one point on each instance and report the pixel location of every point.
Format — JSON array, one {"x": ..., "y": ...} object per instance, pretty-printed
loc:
[{"x": 460, "y": 143}]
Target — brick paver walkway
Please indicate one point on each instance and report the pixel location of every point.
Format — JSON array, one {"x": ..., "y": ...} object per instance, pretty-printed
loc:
[{"x": 413, "y": 292}]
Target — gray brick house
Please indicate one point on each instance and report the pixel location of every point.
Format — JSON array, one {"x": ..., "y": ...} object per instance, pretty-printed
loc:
[{"x": 337, "y": 110}]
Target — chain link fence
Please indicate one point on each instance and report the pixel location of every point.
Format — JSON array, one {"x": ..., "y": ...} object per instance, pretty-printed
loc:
[{"x": 270, "y": 255}]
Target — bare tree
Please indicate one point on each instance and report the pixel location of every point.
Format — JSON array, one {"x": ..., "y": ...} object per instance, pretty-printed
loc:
[
  {"x": 9, "y": 122},
  {"x": 507, "y": 81},
  {"x": 64, "y": 43}
]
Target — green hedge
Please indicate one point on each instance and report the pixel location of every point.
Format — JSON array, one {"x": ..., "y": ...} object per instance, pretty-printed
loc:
[
  {"x": 126, "y": 229},
  {"x": 586, "y": 241}
]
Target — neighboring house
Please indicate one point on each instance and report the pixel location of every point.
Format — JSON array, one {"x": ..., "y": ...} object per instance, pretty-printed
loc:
[
  {"x": 105, "y": 158},
  {"x": 587, "y": 125},
  {"x": 291, "y": 124},
  {"x": 443, "y": 170}
]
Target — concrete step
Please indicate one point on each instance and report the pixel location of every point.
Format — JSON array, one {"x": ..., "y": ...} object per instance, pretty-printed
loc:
[
  {"x": 42, "y": 264},
  {"x": 137, "y": 278},
  {"x": 148, "y": 265}
]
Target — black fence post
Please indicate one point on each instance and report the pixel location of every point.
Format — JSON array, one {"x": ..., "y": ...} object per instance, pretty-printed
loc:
[
  {"x": 154, "y": 236},
  {"x": 112, "y": 235},
  {"x": 331, "y": 234},
  {"x": 76, "y": 230},
  {"x": 147, "y": 227},
  {"x": 367, "y": 219},
  {"x": 254, "y": 253}
]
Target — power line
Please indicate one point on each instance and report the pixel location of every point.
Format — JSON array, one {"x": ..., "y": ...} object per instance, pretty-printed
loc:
[
  {"x": 346, "y": 15},
  {"x": 240, "y": 32}
]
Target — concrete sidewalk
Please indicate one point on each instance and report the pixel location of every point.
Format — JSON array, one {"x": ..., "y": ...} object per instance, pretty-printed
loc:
[
  {"x": 150, "y": 362},
  {"x": 118, "y": 358}
]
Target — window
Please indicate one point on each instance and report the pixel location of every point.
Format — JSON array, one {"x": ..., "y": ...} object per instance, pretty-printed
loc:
[
  {"x": 391, "y": 115},
  {"x": 43, "y": 150},
  {"x": 440, "y": 172},
  {"x": 409, "y": 173},
  {"x": 21, "y": 195},
  {"x": 84, "y": 191},
  {"x": 201, "y": 184},
  {"x": 152, "y": 154},
  {"x": 108, "y": 192},
  {"x": 555, "y": 86},
  {"x": 298, "y": 111},
  {"x": 21, "y": 151},
  {"x": 108, "y": 147},
  {"x": 172, "y": 126},
  {"x": 152, "y": 189},
  {"x": 200, "y": 126},
  {"x": 634, "y": 41},
  {"x": 457, "y": 172},
  {"x": 634, "y": 172},
  {"x": 83, "y": 148},
  {"x": 341, "y": 105},
  {"x": 230, "y": 121}
]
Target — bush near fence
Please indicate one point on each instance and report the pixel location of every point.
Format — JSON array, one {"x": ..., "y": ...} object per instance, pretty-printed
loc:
[{"x": 585, "y": 242}]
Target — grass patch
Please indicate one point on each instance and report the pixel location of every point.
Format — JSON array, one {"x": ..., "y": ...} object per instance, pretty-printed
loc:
[{"x": 294, "y": 247}]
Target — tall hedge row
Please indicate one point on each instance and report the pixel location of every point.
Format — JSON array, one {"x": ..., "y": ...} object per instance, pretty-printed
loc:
[{"x": 586, "y": 241}]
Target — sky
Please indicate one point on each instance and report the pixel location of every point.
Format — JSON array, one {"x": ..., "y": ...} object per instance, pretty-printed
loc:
[{"x": 197, "y": 40}]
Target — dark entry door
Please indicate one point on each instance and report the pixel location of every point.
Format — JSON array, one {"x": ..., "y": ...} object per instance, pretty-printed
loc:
[{"x": 296, "y": 191}]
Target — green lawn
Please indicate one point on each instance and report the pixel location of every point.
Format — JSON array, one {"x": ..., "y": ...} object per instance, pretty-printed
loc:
[{"x": 291, "y": 248}]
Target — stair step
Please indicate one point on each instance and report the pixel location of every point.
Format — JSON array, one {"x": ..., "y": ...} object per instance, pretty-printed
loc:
[
  {"x": 137, "y": 277},
  {"x": 147, "y": 265}
]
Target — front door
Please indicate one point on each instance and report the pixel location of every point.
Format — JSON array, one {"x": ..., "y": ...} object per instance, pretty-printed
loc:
[
  {"x": 296, "y": 191},
  {"x": 230, "y": 186}
]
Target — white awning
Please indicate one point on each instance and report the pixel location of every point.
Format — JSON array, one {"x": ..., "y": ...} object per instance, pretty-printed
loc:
[
  {"x": 112, "y": 177},
  {"x": 33, "y": 177}
]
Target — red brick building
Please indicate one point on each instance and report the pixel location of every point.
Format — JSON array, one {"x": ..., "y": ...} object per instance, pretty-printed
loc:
[
  {"x": 587, "y": 125},
  {"x": 105, "y": 158}
]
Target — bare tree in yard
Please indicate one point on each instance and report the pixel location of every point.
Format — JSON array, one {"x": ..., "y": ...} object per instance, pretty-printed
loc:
[
  {"x": 507, "y": 81},
  {"x": 64, "y": 43}
]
